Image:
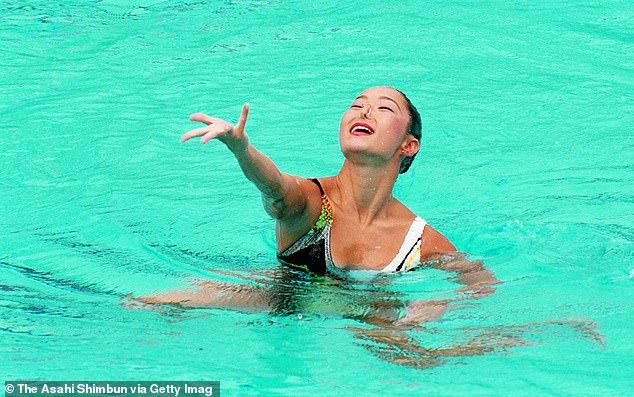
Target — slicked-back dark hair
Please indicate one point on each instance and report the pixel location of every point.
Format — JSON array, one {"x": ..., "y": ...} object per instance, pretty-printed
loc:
[{"x": 414, "y": 128}]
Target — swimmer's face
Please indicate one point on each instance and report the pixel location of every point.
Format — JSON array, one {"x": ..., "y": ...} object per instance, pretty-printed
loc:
[{"x": 376, "y": 126}]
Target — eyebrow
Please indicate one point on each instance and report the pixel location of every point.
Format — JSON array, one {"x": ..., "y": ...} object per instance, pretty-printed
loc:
[{"x": 382, "y": 97}]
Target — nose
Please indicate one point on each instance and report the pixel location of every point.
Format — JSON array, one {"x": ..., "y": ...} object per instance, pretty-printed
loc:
[{"x": 366, "y": 110}]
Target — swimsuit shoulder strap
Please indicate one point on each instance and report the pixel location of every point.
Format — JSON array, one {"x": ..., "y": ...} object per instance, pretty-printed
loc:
[
  {"x": 409, "y": 253},
  {"x": 316, "y": 182},
  {"x": 326, "y": 214}
]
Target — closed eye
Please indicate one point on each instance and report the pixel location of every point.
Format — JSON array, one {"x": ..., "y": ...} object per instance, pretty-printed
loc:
[
  {"x": 387, "y": 108},
  {"x": 355, "y": 106}
]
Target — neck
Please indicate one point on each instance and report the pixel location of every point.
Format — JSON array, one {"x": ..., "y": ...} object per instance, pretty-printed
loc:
[{"x": 367, "y": 189}]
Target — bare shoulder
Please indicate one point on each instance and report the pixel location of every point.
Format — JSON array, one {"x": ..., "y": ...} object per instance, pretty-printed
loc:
[
  {"x": 303, "y": 207},
  {"x": 296, "y": 195},
  {"x": 433, "y": 242}
]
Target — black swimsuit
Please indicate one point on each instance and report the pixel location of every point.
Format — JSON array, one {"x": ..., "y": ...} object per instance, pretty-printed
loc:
[{"x": 310, "y": 250}]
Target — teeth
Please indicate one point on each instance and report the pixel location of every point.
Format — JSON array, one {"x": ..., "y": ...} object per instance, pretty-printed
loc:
[{"x": 362, "y": 129}]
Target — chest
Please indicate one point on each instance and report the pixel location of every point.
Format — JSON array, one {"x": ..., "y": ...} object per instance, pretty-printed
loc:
[{"x": 372, "y": 248}]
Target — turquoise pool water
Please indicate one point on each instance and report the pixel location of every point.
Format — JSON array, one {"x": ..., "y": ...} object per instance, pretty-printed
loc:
[{"x": 527, "y": 164}]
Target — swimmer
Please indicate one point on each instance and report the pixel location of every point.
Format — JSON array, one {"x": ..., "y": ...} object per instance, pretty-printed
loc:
[
  {"x": 347, "y": 223},
  {"x": 365, "y": 226},
  {"x": 350, "y": 221}
]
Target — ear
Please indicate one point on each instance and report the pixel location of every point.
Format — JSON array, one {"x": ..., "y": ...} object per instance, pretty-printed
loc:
[{"x": 410, "y": 146}]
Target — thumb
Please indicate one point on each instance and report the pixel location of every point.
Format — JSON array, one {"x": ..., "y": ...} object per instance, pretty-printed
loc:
[{"x": 243, "y": 116}]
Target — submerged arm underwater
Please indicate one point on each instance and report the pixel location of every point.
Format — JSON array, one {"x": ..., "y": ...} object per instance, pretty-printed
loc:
[
  {"x": 283, "y": 290},
  {"x": 478, "y": 283},
  {"x": 279, "y": 291}
]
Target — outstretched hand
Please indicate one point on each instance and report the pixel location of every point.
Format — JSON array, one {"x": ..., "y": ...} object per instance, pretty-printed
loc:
[{"x": 233, "y": 136}]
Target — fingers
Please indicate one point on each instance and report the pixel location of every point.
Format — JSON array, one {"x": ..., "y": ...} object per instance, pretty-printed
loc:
[
  {"x": 215, "y": 126},
  {"x": 193, "y": 133},
  {"x": 243, "y": 116},
  {"x": 207, "y": 133},
  {"x": 211, "y": 134},
  {"x": 203, "y": 118}
]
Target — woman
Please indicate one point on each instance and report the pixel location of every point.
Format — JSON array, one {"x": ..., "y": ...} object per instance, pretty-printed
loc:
[
  {"x": 346, "y": 222},
  {"x": 351, "y": 220}
]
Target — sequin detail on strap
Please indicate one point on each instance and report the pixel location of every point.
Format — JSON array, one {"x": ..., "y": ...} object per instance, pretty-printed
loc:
[{"x": 325, "y": 216}]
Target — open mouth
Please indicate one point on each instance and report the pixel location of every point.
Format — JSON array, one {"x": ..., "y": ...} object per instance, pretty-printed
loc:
[{"x": 361, "y": 129}]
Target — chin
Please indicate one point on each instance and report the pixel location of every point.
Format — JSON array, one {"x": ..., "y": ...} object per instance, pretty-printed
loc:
[
  {"x": 354, "y": 148},
  {"x": 358, "y": 153}
]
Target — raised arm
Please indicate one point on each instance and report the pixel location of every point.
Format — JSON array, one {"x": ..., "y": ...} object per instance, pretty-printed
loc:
[{"x": 283, "y": 195}]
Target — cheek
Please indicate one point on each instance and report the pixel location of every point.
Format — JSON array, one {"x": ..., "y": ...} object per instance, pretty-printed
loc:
[
  {"x": 341, "y": 126},
  {"x": 398, "y": 125},
  {"x": 344, "y": 120}
]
